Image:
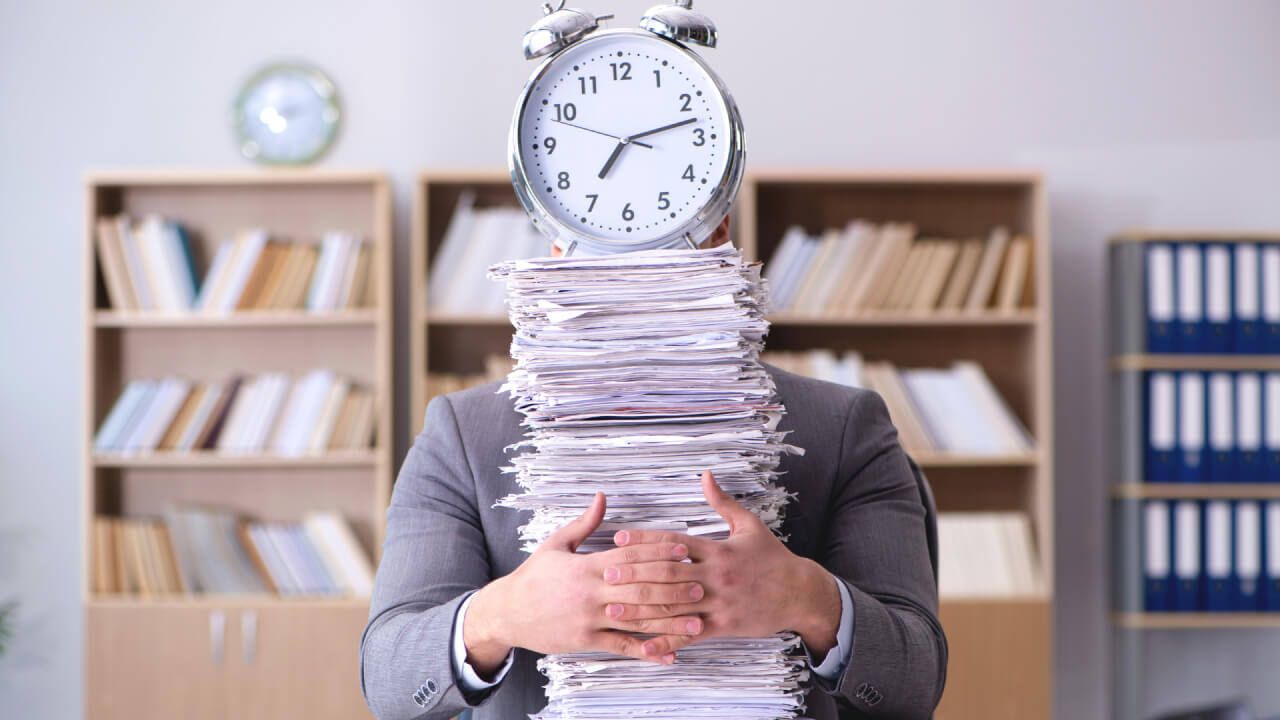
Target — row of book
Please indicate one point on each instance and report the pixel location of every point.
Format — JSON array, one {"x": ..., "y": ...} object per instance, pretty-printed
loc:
[
  {"x": 200, "y": 550},
  {"x": 1211, "y": 555},
  {"x": 478, "y": 237},
  {"x": 496, "y": 367},
  {"x": 954, "y": 410},
  {"x": 318, "y": 413},
  {"x": 867, "y": 268},
  {"x": 987, "y": 554},
  {"x": 1203, "y": 298},
  {"x": 150, "y": 266},
  {"x": 1212, "y": 427}
]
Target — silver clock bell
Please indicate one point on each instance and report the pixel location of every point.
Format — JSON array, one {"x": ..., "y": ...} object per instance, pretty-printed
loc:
[{"x": 625, "y": 139}]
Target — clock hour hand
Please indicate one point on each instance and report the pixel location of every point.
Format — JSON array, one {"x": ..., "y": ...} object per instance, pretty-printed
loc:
[
  {"x": 608, "y": 164},
  {"x": 664, "y": 128},
  {"x": 597, "y": 132}
]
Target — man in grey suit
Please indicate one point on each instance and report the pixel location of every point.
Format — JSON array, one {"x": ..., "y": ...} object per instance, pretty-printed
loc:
[{"x": 460, "y": 615}]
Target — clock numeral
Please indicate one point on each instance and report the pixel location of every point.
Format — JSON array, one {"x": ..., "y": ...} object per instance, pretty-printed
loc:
[
  {"x": 621, "y": 71},
  {"x": 550, "y": 142},
  {"x": 593, "y": 199},
  {"x": 628, "y": 213},
  {"x": 563, "y": 178},
  {"x": 688, "y": 174},
  {"x": 568, "y": 111},
  {"x": 657, "y": 76},
  {"x": 686, "y": 97},
  {"x": 702, "y": 137},
  {"x": 582, "y": 82},
  {"x": 664, "y": 200}
]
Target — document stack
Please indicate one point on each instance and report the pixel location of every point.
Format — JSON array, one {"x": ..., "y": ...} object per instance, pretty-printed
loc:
[{"x": 635, "y": 373}]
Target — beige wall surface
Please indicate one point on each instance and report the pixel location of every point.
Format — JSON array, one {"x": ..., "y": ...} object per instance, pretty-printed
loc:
[{"x": 1140, "y": 113}]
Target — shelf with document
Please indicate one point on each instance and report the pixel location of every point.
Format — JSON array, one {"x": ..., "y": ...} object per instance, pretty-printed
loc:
[
  {"x": 1195, "y": 456},
  {"x": 237, "y": 356},
  {"x": 1006, "y": 333}
]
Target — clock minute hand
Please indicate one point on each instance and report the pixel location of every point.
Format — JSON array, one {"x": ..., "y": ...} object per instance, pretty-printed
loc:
[
  {"x": 597, "y": 132},
  {"x": 664, "y": 128}
]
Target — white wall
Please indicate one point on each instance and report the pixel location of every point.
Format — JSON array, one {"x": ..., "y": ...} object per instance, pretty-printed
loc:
[{"x": 1141, "y": 113}]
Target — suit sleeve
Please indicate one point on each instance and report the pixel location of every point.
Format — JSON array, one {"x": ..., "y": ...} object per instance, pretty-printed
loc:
[
  {"x": 433, "y": 557},
  {"x": 877, "y": 547}
]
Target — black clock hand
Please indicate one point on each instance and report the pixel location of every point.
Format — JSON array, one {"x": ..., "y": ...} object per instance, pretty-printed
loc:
[
  {"x": 612, "y": 159},
  {"x": 664, "y": 128},
  {"x": 615, "y": 137}
]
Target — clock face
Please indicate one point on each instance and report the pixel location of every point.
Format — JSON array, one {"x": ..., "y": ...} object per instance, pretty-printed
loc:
[
  {"x": 287, "y": 114},
  {"x": 625, "y": 138}
]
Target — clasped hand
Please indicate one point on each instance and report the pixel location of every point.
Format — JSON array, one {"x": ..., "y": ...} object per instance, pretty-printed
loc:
[{"x": 675, "y": 587}]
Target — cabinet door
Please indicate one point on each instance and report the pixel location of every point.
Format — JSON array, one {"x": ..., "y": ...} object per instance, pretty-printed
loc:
[
  {"x": 147, "y": 661},
  {"x": 296, "y": 661}
]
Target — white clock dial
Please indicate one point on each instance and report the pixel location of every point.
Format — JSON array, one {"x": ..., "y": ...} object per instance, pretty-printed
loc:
[
  {"x": 287, "y": 114},
  {"x": 625, "y": 138}
]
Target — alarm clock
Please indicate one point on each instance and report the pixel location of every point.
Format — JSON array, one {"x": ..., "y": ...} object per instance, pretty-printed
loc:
[
  {"x": 286, "y": 114},
  {"x": 625, "y": 139}
]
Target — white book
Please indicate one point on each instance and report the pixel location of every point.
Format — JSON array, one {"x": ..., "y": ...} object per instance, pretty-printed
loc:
[
  {"x": 298, "y": 426},
  {"x": 173, "y": 393},
  {"x": 156, "y": 265},
  {"x": 349, "y": 274},
  {"x": 215, "y": 274},
  {"x": 140, "y": 430},
  {"x": 339, "y": 549},
  {"x": 238, "y": 278},
  {"x": 320, "y": 275},
  {"x": 444, "y": 265},
  {"x": 287, "y": 412},
  {"x": 314, "y": 573},
  {"x": 1190, "y": 284},
  {"x": 783, "y": 257},
  {"x": 138, "y": 416},
  {"x": 133, "y": 260},
  {"x": 322, "y": 431},
  {"x": 275, "y": 387},
  {"x": 789, "y": 285},
  {"x": 1273, "y": 538},
  {"x": 1222, "y": 435},
  {"x": 1217, "y": 290},
  {"x": 1271, "y": 411},
  {"x": 1186, "y": 540},
  {"x": 108, "y": 436},
  {"x": 1160, "y": 290},
  {"x": 277, "y": 534},
  {"x": 1247, "y": 297},
  {"x": 1013, "y": 435},
  {"x": 1157, "y": 556},
  {"x": 1162, "y": 430},
  {"x": 245, "y": 403},
  {"x": 1191, "y": 429},
  {"x": 811, "y": 281},
  {"x": 469, "y": 287},
  {"x": 1248, "y": 411},
  {"x": 280, "y": 576},
  {"x": 338, "y": 271},
  {"x": 1217, "y": 538},
  {"x": 1248, "y": 542}
]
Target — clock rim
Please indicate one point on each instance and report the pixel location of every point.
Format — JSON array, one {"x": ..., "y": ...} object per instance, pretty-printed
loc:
[
  {"x": 331, "y": 98},
  {"x": 703, "y": 222}
]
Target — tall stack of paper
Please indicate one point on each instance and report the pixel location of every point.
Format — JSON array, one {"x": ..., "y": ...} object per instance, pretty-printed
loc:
[{"x": 635, "y": 373}]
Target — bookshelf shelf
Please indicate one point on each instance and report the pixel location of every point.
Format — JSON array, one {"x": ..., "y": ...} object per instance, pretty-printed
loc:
[
  {"x": 1195, "y": 362},
  {"x": 1013, "y": 348},
  {"x": 1194, "y": 491},
  {"x": 1195, "y": 621},
  {"x": 135, "y": 642},
  {"x": 232, "y": 461},
  {"x": 125, "y": 320}
]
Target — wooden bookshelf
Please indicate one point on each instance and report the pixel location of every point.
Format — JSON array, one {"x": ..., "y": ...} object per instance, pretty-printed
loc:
[
  {"x": 1195, "y": 362},
  {"x": 993, "y": 641},
  {"x": 1196, "y": 491},
  {"x": 1194, "y": 621},
  {"x": 239, "y": 655}
]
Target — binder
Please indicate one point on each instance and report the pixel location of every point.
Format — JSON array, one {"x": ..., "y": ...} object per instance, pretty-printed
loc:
[
  {"x": 1162, "y": 434},
  {"x": 1191, "y": 422},
  {"x": 1247, "y": 596},
  {"x": 1222, "y": 433},
  {"x": 1270, "y": 273},
  {"x": 1218, "y": 559},
  {"x": 1189, "y": 275},
  {"x": 1186, "y": 555},
  {"x": 1250, "y": 467},
  {"x": 1219, "y": 335},
  {"x": 1271, "y": 554},
  {"x": 1271, "y": 427},
  {"x": 1248, "y": 298},
  {"x": 1157, "y": 557},
  {"x": 1161, "y": 337}
]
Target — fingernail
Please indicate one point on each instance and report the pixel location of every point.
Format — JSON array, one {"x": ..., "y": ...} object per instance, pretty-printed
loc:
[
  {"x": 622, "y": 537},
  {"x": 679, "y": 551},
  {"x": 694, "y": 627},
  {"x": 650, "y": 648},
  {"x": 696, "y": 592},
  {"x": 614, "y": 610},
  {"x": 669, "y": 659},
  {"x": 612, "y": 575}
]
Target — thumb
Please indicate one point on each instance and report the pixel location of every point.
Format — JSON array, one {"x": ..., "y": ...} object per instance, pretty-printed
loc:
[
  {"x": 569, "y": 537},
  {"x": 739, "y": 518}
]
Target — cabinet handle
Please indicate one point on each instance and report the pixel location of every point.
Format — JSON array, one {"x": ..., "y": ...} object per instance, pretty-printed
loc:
[
  {"x": 217, "y": 635},
  {"x": 249, "y": 635}
]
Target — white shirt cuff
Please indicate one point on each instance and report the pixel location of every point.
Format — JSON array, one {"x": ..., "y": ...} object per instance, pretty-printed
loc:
[
  {"x": 468, "y": 679},
  {"x": 837, "y": 658}
]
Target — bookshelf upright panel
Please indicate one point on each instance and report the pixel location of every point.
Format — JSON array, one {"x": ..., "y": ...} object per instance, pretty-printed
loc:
[{"x": 243, "y": 644}]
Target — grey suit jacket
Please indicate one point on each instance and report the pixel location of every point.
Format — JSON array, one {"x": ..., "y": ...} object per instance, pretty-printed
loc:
[{"x": 857, "y": 512}]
